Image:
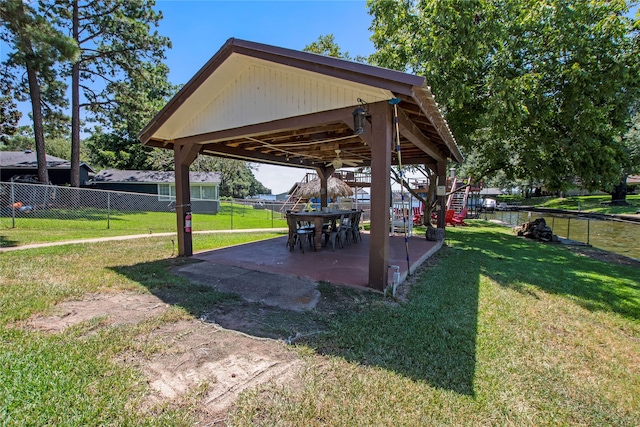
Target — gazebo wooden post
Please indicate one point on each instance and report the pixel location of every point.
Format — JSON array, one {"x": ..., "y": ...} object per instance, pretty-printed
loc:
[
  {"x": 442, "y": 198},
  {"x": 380, "y": 139},
  {"x": 323, "y": 175},
  {"x": 183, "y": 155}
]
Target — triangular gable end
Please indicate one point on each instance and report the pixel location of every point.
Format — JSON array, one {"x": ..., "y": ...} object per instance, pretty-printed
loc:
[{"x": 244, "y": 91}]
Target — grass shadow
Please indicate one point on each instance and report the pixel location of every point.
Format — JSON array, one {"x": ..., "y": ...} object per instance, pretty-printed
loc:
[
  {"x": 156, "y": 276},
  {"x": 7, "y": 243},
  {"x": 430, "y": 338}
]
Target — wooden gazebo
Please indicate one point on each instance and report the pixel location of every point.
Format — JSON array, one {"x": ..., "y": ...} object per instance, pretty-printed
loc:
[{"x": 272, "y": 105}]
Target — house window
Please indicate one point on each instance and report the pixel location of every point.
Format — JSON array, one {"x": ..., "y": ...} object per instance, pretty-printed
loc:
[
  {"x": 210, "y": 192},
  {"x": 167, "y": 192}
]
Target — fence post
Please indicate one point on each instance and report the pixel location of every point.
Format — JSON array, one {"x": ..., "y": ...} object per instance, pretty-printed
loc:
[
  {"x": 272, "y": 208},
  {"x": 108, "y": 211},
  {"x": 232, "y": 213},
  {"x": 13, "y": 204},
  {"x": 588, "y": 231},
  {"x": 568, "y": 226}
]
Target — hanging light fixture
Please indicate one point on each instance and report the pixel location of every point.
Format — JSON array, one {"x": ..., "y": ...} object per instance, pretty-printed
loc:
[{"x": 360, "y": 115}]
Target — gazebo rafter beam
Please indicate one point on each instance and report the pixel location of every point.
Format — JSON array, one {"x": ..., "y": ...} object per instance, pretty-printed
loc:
[
  {"x": 224, "y": 151},
  {"x": 284, "y": 126},
  {"x": 415, "y": 135}
]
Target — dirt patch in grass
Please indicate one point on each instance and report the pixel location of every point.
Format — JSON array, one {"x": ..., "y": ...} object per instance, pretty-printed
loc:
[
  {"x": 207, "y": 362},
  {"x": 116, "y": 309},
  {"x": 192, "y": 358},
  {"x": 212, "y": 364}
]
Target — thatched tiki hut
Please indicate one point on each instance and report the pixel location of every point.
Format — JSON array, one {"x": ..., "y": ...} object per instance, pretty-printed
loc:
[{"x": 335, "y": 188}]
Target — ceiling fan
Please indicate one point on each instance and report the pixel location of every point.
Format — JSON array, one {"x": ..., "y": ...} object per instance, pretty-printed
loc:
[{"x": 338, "y": 162}]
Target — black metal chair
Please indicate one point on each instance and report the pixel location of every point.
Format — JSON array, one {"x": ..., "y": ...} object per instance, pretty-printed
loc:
[
  {"x": 297, "y": 233},
  {"x": 331, "y": 232}
]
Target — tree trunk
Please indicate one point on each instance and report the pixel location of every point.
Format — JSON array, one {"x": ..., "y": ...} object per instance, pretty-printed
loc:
[
  {"x": 619, "y": 193},
  {"x": 75, "y": 107},
  {"x": 38, "y": 130}
]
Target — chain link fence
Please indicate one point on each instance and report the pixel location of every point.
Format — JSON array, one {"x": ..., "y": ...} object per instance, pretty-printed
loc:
[
  {"x": 47, "y": 207},
  {"x": 610, "y": 234}
]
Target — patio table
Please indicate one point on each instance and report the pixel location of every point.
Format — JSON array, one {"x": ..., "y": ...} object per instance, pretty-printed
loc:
[{"x": 318, "y": 218}]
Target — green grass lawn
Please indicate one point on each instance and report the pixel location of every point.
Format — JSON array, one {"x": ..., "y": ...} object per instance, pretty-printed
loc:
[
  {"x": 58, "y": 225},
  {"x": 500, "y": 331},
  {"x": 596, "y": 204},
  {"x": 72, "y": 379},
  {"x": 497, "y": 330}
]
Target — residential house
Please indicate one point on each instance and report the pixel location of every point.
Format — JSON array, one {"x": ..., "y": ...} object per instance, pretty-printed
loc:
[
  {"x": 22, "y": 166},
  {"x": 205, "y": 186}
]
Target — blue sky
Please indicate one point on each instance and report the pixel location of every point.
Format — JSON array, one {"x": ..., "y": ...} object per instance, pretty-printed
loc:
[{"x": 197, "y": 30}]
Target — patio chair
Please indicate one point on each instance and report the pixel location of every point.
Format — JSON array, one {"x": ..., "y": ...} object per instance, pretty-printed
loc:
[
  {"x": 458, "y": 219},
  {"x": 417, "y": 216},
  {"x": 398, "y": 218},
  {"x": 345, "y": 230},
  {"x": 448, "y": 219},
  {"x": 331, "y": 233},
  {"x": 355, "y": 226},
  {"x": 298, "y": 234}
]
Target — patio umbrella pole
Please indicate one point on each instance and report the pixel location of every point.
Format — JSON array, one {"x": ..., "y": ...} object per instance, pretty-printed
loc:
[{"x": 394, "y": 102}]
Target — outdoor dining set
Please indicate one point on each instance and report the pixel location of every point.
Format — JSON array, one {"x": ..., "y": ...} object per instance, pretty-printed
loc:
[{"x": 323, "y": 228}]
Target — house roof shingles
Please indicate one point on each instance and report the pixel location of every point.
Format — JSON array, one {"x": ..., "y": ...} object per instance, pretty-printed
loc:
[
  {"x": 28, "y": 160},
  {"x": 150, "y": 177}
]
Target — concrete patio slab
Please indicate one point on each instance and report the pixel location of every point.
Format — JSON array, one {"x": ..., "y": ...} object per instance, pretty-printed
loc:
[
  {"x": 276, "y": 290},
  {"x": 345, "y": 266}
]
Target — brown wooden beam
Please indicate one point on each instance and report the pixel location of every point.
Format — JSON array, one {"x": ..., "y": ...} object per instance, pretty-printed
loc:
[
  {"x": 380, "y": 139},
  {"x": 183, "y": 155},
  {"x": 288, "y": 124},
  {"x": 255, "y": 156},
  {"x": 410, "y": 131},
  {"x": 442, "y": 199},
  {"x": 323, "y": 174}
]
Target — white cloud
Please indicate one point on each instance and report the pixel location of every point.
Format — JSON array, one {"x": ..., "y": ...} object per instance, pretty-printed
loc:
[{"x": 279, "y": 179}]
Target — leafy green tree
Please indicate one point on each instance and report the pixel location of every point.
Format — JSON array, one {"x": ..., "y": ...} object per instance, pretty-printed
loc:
[
  {"x": 327, "y": 46},
  {"x": 20, "y": 140},
  {"x": 116, "y": 45},
  {"x": 135, "y": 104},
  {"x": 9, "y": 113},
  {"x": 537, "y": 88},
  {"x": 36, "y": 48},
  {"x": 631, "y": 142},
  {"x": 57, "y": 146}
]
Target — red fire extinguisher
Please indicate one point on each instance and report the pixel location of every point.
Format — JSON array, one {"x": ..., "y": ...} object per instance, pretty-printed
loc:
[{"x": 187, "y": 222}]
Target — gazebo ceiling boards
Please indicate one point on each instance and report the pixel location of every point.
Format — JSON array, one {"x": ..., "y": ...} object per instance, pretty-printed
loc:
[{"x": 272, "y": 105}]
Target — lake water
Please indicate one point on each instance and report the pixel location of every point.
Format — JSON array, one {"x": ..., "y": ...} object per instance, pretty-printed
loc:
[{"x": 613, "y": 236}]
